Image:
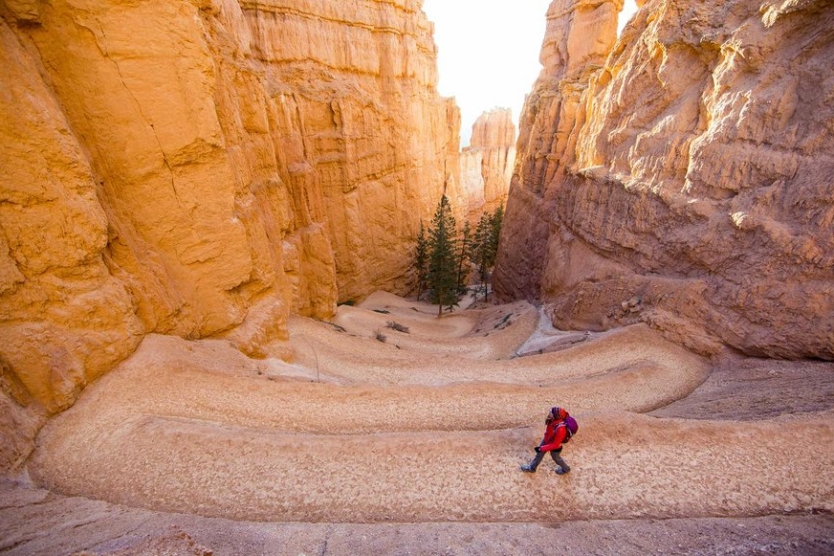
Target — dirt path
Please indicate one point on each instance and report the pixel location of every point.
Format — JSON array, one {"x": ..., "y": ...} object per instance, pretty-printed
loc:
[
  {"x": 429, "y": 425},
  {"x": 35, "y": 522}
]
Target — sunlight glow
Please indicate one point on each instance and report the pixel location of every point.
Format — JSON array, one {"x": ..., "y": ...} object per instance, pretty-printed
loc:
[{"x": 488, "y": 52}]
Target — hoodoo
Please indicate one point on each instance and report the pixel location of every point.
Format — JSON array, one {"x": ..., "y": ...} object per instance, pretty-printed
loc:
[{"x": 487, "y": 163}]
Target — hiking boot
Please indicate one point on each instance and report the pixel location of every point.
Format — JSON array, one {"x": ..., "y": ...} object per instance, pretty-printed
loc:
[
  {"x": 527, "y": 468},
  {"x": 560, "y": 471}
]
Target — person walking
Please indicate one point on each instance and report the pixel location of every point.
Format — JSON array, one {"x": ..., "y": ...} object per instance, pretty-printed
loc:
[{"x": 555, "y": 433}]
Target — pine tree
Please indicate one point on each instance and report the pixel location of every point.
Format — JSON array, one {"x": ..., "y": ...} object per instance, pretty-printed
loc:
[
  {"x": 496, "y": 221},
  {"x": 442, "y": 275},
  {"x": 481, "y": 251},
  {"x": 484, "y": 248},
  {"x": 421, "y": 259},
  {"x": 464, "y": 257}
]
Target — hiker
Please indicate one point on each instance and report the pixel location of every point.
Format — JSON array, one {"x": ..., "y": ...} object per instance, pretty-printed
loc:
[{"x": 554, "y": 435}]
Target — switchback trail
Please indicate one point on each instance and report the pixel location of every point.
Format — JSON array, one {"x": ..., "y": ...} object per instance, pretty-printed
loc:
[{"x": 427, "y": 421}]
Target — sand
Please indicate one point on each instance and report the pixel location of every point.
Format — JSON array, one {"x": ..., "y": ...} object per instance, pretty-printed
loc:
[{"x": 393, "y": 427}]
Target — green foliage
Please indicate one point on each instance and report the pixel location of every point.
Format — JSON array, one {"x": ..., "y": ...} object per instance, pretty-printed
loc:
[
  {"x": 421, "y": 260},
  {"x": 442, "y": 268},
  {"x": 495, "y": 221},
  {"x": 442, "y": 261},
  {"x": 463, "y": 257},
  {"x": 484, "y": 246}
]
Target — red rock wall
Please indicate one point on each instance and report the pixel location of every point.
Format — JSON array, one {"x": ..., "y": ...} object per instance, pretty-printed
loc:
[{"x": 682, "y": 176}]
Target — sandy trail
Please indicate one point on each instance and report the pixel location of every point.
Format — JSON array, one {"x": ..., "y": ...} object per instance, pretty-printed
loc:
[
  {"x": 398, "y": 434},
  {"x": 37, "y": 522}
]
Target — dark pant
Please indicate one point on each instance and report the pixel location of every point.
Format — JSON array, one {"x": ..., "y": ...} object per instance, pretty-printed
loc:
[{"x": 557, "y": 457}]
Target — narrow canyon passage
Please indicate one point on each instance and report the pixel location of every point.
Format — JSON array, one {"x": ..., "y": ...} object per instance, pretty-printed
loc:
[
  {"x": 389, "y": 431},
  {"x": 231, "y": 172}
]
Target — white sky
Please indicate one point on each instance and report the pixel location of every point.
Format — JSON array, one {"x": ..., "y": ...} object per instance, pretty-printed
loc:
[{"x": 488, "y": 52}]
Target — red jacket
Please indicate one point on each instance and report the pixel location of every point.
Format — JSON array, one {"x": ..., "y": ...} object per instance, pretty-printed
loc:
[{"x": 554, "y": 434}]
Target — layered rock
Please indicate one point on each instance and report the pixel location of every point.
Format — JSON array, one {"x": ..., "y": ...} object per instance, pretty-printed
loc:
[
  {"x": 362, "y": 78},
  {"x": 487, "y": 163},
  {"x": 684, "y": 180},
  {"x": 203, "y": 168},
  {"x": 64, "y": 319}
]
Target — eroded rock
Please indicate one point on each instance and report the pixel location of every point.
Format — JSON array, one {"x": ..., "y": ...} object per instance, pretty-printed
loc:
[
  {"x": 206, "y": 168},
  {"x": 688, "y": 163},
  {"x": 487, "y": 163}
]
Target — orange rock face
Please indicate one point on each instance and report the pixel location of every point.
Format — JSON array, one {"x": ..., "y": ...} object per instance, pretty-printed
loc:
[
  {"x": 64, "y": 319},
  {"x": 681, "y": 176},
  {"x": 204, "y": 168},
  {"x": 373, "y": 137},
  {"x": 487, "y": 163}
]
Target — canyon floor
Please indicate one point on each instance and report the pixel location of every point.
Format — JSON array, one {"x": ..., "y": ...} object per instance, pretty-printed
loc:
[{"x": 395, "y": 432}]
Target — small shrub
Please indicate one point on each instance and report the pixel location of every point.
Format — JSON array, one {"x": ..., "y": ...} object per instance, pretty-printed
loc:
[
  {"x": 397, "y": 326},
  {"x": 381, "y": 337},
  {"x": 383, "y": 311}
]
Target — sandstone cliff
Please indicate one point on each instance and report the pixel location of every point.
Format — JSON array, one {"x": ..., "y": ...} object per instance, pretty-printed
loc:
[
  {"x": 681, "y": 175},
  {"x": 202, "y": 168},
  {"x": 377, "y": 140},
  {"x": 487, "y": 163}
]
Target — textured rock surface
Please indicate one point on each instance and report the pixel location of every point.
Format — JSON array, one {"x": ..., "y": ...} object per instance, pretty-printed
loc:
[
  {"x": 361, "y": 80},
  {"x": 36, "y": 521},
  {"x": 684, "y": 180},
  {"x": 64, "y": 319},
  {"x": 327, "y": 438},
  {"x": 487, "y": 164},
  {"x": 203, "y": 168}
]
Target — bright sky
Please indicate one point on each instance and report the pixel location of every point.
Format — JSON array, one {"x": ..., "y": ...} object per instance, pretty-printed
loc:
[{"x": 488, "y": 52}]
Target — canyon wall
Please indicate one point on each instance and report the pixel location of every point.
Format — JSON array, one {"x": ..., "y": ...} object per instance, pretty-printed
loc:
[
  {"x": 487, "y": 163},
  {"x": 202, "y": 168},
  {"x": 682, "y": 175},
  {"x": 378, "y": 141}
]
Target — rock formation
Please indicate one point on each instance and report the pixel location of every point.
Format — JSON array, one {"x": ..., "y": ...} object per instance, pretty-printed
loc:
[
  {"x": 681, "y": 175},
  {"x": 202, "y": 168},
  {"x": 360, "y": 81},
  {"x": 487, "y": 163}
]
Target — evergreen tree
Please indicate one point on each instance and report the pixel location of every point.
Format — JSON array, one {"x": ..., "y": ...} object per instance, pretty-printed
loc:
[
  {"x": 496, "y": 221},
  {"x": 481, "y": 251},
  {"x": 421, "y": 259},
  {"x": 464, "y": 257},
  {"x": 484, "y": 248},
  {"x": 442, "y": 275}
]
